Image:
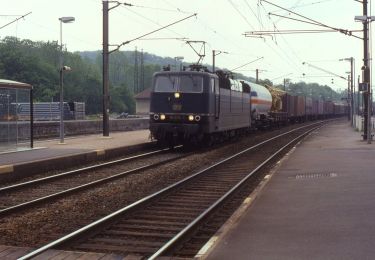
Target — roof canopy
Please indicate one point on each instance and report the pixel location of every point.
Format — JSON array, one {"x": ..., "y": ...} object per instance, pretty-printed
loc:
[{"x": 4, "y": 83}]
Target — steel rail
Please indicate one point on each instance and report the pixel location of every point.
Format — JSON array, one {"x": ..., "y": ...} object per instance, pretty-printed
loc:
[
  {"x": 103, "y": 220},
  {"x": 56, "y": 195},
  {"x": 173, "y": 241},
  {"x": 81, "y": 170}
]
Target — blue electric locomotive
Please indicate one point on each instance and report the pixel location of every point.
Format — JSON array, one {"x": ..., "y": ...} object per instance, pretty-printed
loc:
[{"x": 195, "y": 105}]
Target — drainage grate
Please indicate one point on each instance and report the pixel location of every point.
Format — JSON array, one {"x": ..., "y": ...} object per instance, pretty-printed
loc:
[{"x": 316, "y": 175}]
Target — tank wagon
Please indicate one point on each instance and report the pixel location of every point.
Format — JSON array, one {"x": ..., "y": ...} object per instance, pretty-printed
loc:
[{"x": 196, "y": 105}]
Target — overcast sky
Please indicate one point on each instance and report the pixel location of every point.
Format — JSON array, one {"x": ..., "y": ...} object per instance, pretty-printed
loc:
[{"x": 220, "y": 23}]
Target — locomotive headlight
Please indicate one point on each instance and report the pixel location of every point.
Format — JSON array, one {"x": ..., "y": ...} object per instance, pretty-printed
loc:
[
  {"x": 197, "y": 118},
  {"x": 156, "y": 116},
  {"x": 191, "y": 118},
  {"x": 162, "y": 117},
  {"x": 177, "y": 95}
]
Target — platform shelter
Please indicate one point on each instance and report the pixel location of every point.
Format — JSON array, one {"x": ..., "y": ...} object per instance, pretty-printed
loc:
[{"x": 16, "y": 130}]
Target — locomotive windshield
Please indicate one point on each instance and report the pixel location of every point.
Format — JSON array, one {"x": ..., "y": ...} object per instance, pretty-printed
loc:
[{"x": 180, "y": 83}]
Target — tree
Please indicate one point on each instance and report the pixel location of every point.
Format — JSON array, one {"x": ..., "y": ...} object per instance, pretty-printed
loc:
[{"x": 122, "y": 100}]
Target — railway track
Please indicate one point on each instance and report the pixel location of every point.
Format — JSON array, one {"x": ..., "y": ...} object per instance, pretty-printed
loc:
[
  {"x": 159, "y": 223},
  {"x": 20, "y": 196}
]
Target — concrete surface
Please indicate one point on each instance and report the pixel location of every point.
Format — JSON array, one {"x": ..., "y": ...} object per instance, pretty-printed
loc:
[
  {"x": 320, "y": 204},
  {"x": 50, "y": 155}
]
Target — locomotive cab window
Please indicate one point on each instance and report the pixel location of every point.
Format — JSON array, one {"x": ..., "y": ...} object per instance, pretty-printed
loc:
[
  {"x": 191, "y": 84},
  {"x": 183, "y": 83},
  {"x": 166, "y": 84}
]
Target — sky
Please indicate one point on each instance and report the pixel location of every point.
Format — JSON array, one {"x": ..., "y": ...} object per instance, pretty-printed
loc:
[{"x": 222, "y": 24}]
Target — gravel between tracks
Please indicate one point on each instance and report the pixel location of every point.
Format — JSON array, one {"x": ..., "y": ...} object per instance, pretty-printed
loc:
[{"x": 43, "y": 224}]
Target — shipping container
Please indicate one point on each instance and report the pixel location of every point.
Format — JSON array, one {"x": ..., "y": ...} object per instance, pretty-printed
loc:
[
  {"x": 320, "y": 107},
  {"x": 328, "y": 108},
  {"x": 300, "y": 109},
  {"x": 309, "y": 106},
  {"x": 315, "y": 108}
]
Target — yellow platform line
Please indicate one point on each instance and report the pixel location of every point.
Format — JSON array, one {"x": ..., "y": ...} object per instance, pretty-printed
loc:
[
  {"x": 6, "y": 168},
  {"x": 99, "y": 152}
]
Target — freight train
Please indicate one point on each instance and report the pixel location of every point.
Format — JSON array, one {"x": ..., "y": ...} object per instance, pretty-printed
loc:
[{"x": 196, "y": 105}]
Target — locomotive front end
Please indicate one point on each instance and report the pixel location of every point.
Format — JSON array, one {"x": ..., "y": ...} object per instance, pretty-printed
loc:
[{"x": 179, "y": 106}]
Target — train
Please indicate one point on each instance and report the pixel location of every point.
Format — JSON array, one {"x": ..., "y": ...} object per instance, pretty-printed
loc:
[{"x": 195, "y": 106}]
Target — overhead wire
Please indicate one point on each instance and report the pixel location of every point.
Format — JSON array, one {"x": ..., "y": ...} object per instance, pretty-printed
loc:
[
  {"x": 291, "y": 8},
  {"x": 255, "y": 15},
  {"x": 246, "y": 20},
  {"x": 294, "y": 65},
  {"x": 243, "y": 16},
  {"x": 162, "y": 9},
  {"x": 152, "y": 21}
]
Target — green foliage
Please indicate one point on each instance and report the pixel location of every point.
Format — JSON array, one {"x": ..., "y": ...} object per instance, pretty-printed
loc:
[
  {"x": 21, "y": 61},
  {"x": 37, "y": 63},
  {"x": 122, "y": 100}
]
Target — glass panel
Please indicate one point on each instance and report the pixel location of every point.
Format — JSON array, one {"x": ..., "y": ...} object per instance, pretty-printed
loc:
[
  {"x": 8, "y": 129},
  {"x": 4, "y": 131},
  {"x": 183, "y": 83},
  {"x": 166, "y": 84},
  {"x": 14, "y": 126},
  {"x": 12, "y": 117},
  {"x": 191, "y": 84},
  {"x": 23, "y": 117}
]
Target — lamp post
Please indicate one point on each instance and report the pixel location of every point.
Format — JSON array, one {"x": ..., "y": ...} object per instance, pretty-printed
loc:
[{"x": 66, "y": 19}]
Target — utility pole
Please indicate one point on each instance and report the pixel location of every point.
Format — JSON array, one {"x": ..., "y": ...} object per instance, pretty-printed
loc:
[
  {"x": 348, "y": 99},
  {"x": 142, "y": 80},
  {"x": 366, "y": 75},
  {"x": 284, "y": 84},
  {"x": 135, "y": 71},
  {"x": 214, "y": 54},
  {"x": 352, "y": 91},
  {"x": 359, "y": 97},
  {"x": 105, "y": 71},
  {"x": 213, "y": 61},
  {"x": 257, "y": 76}
]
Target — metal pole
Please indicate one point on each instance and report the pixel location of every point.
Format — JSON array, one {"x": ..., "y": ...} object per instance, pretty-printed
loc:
[
  {"x": 213, "y": 61},
  {"x": 366, "y": 74},
  {"x": 348, "y": 98},
  {"x": 257, "y": 76},
  {"x": 105, "y": 71},
  {"x": 31, "y": 119},
  {"x": 352, "y": 89},
  {"x": 359, "y": 97},
  {"x": 61, "y": 88}
]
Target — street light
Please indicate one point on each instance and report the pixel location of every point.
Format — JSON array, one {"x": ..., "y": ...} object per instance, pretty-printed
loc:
[{"x": 62, "y": 68}]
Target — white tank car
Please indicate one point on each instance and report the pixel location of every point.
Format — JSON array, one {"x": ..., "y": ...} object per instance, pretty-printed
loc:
[{"x": 261, "y": 100}]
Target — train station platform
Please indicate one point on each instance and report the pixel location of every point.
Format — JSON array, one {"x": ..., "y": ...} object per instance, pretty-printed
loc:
[
  {"x": 319, "y": 203},
  {"x": 51, "y": 155}
]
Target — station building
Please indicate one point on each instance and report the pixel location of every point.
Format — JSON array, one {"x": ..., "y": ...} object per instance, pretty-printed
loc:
[{"x": 142, "y": 102}]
